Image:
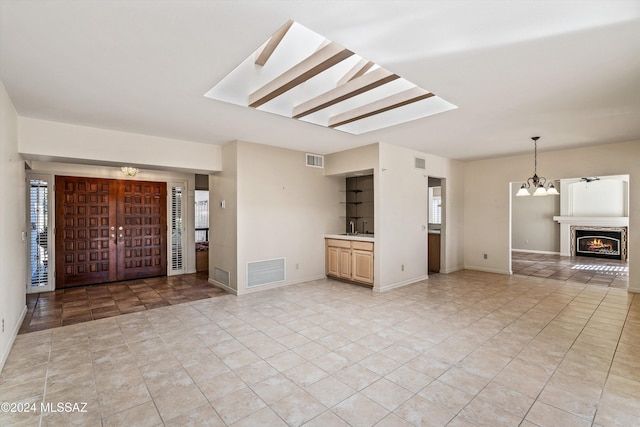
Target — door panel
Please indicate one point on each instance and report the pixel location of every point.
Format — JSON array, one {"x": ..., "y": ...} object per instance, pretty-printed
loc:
[
  {"x": 85, "y": 251},
  {"x": 142, "y": 212},
  {"x": 109, "y": 230}
]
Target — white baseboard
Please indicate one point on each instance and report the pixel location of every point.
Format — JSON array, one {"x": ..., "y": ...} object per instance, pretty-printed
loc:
[
  {"x": 223, "y": 286},
  {"x": 487, "y": 270},
  {"x": 12, "y": 340},
  {"x": 535, "y": 252},
  {"x": 399, "y": 284},
  {"x": 280, "y": 284},
  {"x": 452, "y": 270},
  {"x": 265, "y": 287}
]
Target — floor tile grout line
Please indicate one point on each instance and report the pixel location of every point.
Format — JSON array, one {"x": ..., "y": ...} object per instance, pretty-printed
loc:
[{"x": 564, "y": 357}]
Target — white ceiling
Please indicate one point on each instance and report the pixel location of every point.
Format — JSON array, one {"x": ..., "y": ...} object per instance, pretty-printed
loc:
[{"x": 568, "y": 71}]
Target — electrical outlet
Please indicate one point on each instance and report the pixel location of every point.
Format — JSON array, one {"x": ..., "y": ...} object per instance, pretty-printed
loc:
[
  {"x": 297, "y": 266},
  {"x": 3, "y": 326},
  {"x": 486, "y": 256},
  {"x": 402, "y": 267}
]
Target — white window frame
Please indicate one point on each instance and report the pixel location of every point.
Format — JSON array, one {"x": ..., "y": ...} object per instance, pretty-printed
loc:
[
  {"x": 435, "y": 207},
  {"x": 30, "y": 233},
  {"x": 183, "y": 185}
]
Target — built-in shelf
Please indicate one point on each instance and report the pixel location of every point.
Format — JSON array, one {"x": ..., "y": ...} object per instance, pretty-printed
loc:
[{"x": 359, "y": 203}]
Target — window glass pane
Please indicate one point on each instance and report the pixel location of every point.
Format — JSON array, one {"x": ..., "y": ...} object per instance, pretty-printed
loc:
[
  {"x": 202, "y": 216},
  {"x": 435, "y": 205},
  {"x": 39, "y": 232},
  {"x": 176, "y": 228}
]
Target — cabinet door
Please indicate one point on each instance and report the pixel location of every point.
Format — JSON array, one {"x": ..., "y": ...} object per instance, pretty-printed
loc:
[
  {"x": 362, "y": 270},
  {"x": 434, "y": 253},
  {"x": 345, "y": 263},
  {"x": 333, "y": 262}
]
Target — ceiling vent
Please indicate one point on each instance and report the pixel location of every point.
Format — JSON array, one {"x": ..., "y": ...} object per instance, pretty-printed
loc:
[
  {"x": 315, "y": 161},
  {"x": 420, "y": 163}
]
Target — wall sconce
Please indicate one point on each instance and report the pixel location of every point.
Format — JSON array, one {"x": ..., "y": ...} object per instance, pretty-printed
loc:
[{"x": 129, "y": 171}]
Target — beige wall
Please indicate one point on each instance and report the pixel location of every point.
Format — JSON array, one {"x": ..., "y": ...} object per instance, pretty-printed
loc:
[
  {"x": 223, "y": 223},
  {"x": 282, "y": 210},
  {"x": 53, "y": 141},
  {"x": 486, "y": 219},
  {"x": 400, "y": 226},
  {"x": 533, "y": 228},
  {"x": 13, "y": 258},
  {"x": 400, "y": 193},
  {"x": 353, "y": 160}
]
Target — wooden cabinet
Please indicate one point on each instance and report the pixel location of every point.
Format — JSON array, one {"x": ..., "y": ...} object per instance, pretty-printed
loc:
[
  {"x": 434, "y": 253},
  {"x": 350, "y": 260},
  {"x": 345, "y": 264},
  {"x": 332, "y": 261},
  {"x": 362, "y": 266}
]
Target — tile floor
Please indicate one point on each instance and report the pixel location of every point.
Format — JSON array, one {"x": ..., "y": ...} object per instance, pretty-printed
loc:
[
  {"x": 81, "y": 304},
  {"x": 463, "y": 349},
  {"x": 594, "y": 271}
]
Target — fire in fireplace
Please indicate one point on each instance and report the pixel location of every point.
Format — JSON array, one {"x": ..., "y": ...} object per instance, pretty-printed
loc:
[{"x": 608, "y": 242}]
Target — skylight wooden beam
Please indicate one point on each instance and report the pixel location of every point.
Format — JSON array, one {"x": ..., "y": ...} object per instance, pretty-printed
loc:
[
  {"x": 353, "y": 88},
  {"x": 315, "y": 64},
  {"x": 270, "y": 46},
  {"x": 389, "y": 103},
  {"x": 356, "y": 71}
]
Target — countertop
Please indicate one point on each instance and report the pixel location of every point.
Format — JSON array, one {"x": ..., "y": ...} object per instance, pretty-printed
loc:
[{"x": 358, "y": 237}]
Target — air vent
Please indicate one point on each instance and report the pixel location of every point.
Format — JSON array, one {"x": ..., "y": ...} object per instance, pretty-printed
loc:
[
  {"x": 315, "y": 161},
  {"x": 260, "y": 273},
  {"x": 221, "y": 276},
  {"x": 420, "y": 163}
]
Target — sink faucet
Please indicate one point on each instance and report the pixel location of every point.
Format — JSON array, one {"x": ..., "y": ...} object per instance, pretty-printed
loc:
[{"x": 352, "y": 227}]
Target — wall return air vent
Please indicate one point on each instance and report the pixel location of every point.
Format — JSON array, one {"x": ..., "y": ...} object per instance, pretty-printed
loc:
[
  {"x": 260, "y": 273},
  {"x": 300, "y": 74},
  {"x": 221, "y": 276},
  {"x": 420, "y": 163},
  {"x": 315, "y": 161}
]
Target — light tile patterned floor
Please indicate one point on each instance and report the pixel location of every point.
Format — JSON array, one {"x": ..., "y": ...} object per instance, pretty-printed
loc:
[
  {"x": 463, "y": 349},
  {"x": 578, "y": 269}
]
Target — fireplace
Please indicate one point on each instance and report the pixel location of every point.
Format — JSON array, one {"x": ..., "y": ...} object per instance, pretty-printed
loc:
[{"x": 599, "y": 242}]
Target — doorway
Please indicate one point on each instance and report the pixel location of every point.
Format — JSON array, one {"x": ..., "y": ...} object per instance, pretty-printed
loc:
[
  {"x": 109, "y": 230},
  {"x": 435, "y": 221}
]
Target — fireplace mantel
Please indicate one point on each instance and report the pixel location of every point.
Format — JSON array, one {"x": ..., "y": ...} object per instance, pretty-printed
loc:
[
  {"x": 604, "y": 221},
  {"x": 566, "y": 222}
]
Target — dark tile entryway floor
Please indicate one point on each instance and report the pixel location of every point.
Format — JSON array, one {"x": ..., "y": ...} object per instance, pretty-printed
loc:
[
  {"x": 81, "y": 304},
  {"x": 594, "y": 271}
]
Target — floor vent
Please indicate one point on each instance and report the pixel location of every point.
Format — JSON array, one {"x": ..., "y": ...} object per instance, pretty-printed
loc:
[
  {"x": 221, "y": 276},
  {"x": 420, "y": 163},
  {"x": 260, "y": 273},
  {"x": 315, "y": 160}
]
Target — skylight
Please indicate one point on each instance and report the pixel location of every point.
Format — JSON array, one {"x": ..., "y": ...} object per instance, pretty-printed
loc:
[{"x": 299, "y": 74}]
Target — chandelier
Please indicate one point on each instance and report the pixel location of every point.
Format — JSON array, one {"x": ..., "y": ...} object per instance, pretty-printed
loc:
[
  {"x": 538, "y": 183},
  {"x": 129, "y": 171}
]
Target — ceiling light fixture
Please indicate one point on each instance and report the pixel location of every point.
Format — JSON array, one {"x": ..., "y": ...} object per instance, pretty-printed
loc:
[
  {"x": 129, "y": 171},
  {"x": 539, "y": 183}
]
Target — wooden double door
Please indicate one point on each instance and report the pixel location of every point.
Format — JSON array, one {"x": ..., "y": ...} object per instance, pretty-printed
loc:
[{"x": 109, "y": 230}]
